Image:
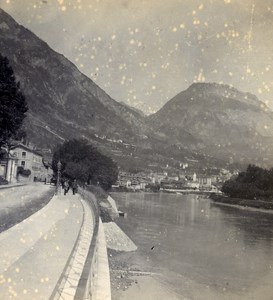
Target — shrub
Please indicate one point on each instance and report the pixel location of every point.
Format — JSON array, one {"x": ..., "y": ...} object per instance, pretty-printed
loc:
[
  {"x": 3, "y": 181},
  {"x": 23, "y": 172}
]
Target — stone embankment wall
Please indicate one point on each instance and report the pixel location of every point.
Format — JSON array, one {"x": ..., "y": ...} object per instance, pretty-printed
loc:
[
  {"x": 95, "y": 279},
  {"x": 113, "y": 207},
  {"x": 116, "y": 238}
]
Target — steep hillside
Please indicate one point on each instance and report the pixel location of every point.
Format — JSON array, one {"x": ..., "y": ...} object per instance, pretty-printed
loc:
[
  {"x": 209, "y": 124},
  {"x": 218, "y": 120},
  {"x": 63, "y": 103}
]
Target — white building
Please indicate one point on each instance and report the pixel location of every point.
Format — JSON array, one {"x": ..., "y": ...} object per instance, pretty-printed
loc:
[{"x": 30, "y": 159}]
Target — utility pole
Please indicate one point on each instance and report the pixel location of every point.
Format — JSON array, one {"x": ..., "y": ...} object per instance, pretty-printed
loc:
[{"x": 59, "y": 165}]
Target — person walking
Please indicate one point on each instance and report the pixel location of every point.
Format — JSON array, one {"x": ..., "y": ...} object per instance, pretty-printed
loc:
[
  {"x": 74, "y": 187},
  {"x": 66, "y": 187},
  {"x": 62, "y": 183}
]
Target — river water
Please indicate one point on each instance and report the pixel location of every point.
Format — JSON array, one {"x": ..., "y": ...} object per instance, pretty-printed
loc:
[{"x": 201, "y": 250}]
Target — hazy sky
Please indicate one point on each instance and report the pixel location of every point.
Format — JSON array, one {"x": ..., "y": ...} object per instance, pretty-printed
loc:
[{"x": 145, "y": 52}]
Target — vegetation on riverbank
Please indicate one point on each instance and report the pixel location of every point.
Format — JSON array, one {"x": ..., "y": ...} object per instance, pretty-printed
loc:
[
  {"x": 104, "y": 206},
  {"x": 254, "y": 183},
  {"x": 252, "y": 188}
]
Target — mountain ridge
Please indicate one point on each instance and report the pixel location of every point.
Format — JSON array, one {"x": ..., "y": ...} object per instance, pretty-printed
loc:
[
  {"x": 60, "y": 80},
  {"x": 218, "y": 116},
  {"x": 65, "y": 104},
  {"x": 206, "y": 122}
]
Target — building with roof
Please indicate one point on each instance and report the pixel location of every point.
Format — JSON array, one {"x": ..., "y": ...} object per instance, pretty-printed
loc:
[{"x": 27, "y": 160}]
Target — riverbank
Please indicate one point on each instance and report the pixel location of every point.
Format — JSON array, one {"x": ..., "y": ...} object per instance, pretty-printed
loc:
[
  {"x": 186, "y": 191},
  {"x": 131, "y": 272},
  {"x": 255, "y": 204},
  {"x": 132, "y": 277},
  {"x": 128, "y": 269},
  {"x": 165, "y": 190}
]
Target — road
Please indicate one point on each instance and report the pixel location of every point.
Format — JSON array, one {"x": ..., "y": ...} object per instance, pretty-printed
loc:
[
  {"x": 35, "y": 252},
  {"x": 18, "y": 203}
]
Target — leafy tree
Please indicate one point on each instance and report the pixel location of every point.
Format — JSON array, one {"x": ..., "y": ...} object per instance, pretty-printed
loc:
[
  {"x": 83, "y": 162},
  {"x": 254, "y": 183},
  {"x": 76, "y": 170},
  {"x": 13, "y": 105}
]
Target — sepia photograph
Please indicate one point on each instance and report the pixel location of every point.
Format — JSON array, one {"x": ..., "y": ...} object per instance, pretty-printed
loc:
[{"x": 136, "y": 149}]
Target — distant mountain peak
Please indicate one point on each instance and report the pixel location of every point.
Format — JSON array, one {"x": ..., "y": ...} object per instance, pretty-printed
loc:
[
  {"x": 199, "y": 90},
  {"x": 221, "y": 121}
]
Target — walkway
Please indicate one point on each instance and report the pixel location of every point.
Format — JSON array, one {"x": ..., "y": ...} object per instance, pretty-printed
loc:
[{"x": 35, "y": 252}]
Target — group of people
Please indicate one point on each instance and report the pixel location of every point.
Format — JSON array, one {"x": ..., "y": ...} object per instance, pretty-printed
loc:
[{"x": 67, "y": 184}]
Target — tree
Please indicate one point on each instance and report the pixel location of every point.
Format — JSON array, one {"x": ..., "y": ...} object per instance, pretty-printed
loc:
[
  {"x": 13, "y": 105},
  {"x": 81, "y": 161},
  {"x": 78, "y": 171},
  {"x": 254, "y": 183}
]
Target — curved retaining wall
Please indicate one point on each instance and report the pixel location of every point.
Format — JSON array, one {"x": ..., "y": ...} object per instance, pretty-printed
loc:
[
  {"x": 90, "y": 280},
  {"x": 86, "y": 274}
]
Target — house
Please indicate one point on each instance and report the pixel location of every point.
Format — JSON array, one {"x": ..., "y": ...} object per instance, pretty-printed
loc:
[
  {"x": 192, "y": 185},
  {"x": 183, "y": 165},
  {"x": 28, "y": 159},
  {"x": 204, "y": 181},
  {"x": 128, "y": 183},
  {"x": 48, "y": 175},
  {"x": 157, "y": 177},
  {"x": 173, "y": 184}
]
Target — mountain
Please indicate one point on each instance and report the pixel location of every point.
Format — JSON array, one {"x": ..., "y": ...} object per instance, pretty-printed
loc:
[
  {"x": 63, "y": 103},
  {"x": 218, "y": 120},
  {"x": 208, "y": 124}
]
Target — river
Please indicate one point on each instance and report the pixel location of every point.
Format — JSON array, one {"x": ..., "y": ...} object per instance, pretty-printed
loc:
[{"x": 201, "y": 250}]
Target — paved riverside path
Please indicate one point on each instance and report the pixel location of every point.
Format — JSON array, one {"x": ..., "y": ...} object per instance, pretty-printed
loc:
[{"x": 35, "y": 251}]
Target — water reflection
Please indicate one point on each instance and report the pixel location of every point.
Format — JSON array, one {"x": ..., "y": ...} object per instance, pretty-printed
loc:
[
  {"x": 223, "y": 247},
  {"x": 253, "y": 226},
  {"x": 172, "y": 211}
]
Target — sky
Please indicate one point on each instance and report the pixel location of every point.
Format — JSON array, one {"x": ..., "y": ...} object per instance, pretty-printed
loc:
[{"x": 145, "y": 52}]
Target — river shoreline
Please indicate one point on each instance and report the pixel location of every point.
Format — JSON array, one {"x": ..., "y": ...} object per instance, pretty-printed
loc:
[
  {"x": 131, "y": 274},
  {"x": 132, "y": 277},
  {"x": 261, "y": 210},
  {"x": 167, "y": 191},
  {"x": 255, "y": 205}
]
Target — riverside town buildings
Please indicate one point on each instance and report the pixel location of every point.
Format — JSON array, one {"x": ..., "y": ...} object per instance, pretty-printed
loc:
[
  {"x": 27, "y": 158},
  {"x": 183, "y": 181}
]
